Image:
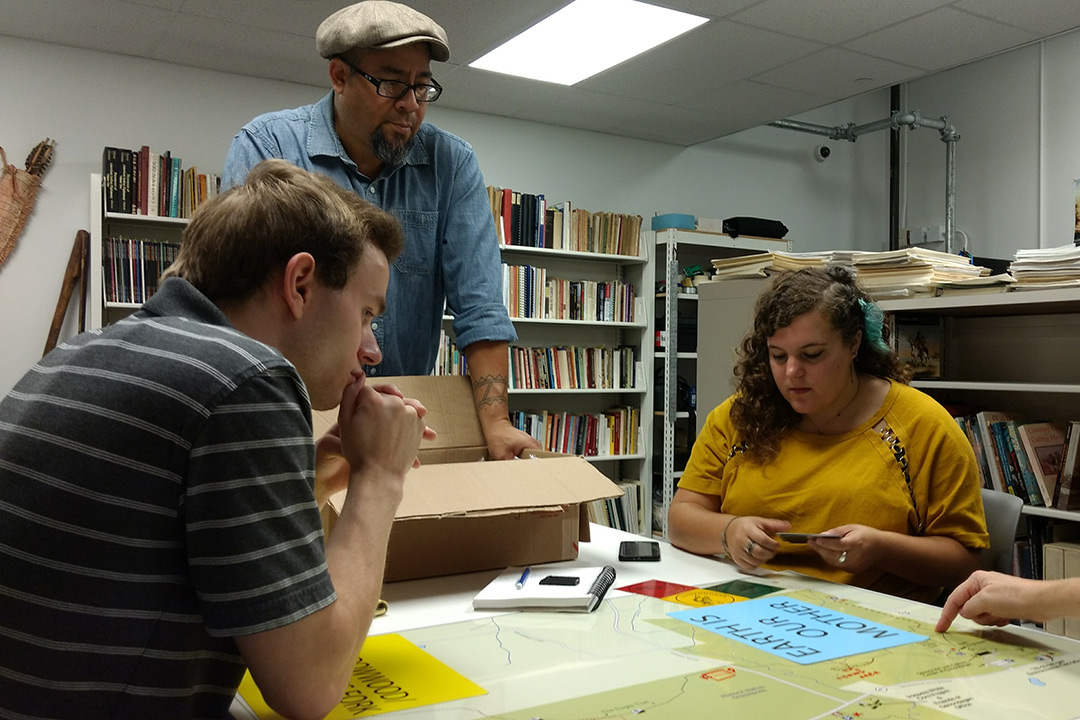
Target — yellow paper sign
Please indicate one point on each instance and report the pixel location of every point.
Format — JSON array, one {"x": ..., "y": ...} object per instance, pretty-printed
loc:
[
  {"x": 703, "y": 598},
  {"x": 390, "y": 674}
]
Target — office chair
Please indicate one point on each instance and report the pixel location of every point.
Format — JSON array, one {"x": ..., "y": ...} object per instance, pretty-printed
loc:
[{"x": 1002, "y": 516}]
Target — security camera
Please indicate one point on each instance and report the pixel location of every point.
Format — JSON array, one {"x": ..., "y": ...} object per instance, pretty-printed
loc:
[{"x": 821, "y": 152}]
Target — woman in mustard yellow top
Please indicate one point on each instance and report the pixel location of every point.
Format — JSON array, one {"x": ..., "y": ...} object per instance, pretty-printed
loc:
[{"x": 824, "y": 436}]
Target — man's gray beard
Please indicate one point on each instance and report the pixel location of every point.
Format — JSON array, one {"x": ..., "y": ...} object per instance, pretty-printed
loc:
[{"x": 387, "y": 152}]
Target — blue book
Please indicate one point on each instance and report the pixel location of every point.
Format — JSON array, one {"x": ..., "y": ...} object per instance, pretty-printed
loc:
[
  {"x": 1031, "y": 484},
  {"x": 1010, "y": 470}
]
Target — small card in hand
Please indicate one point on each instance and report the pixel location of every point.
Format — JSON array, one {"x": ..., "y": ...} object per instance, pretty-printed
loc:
[{"x": 803, "y": 537}]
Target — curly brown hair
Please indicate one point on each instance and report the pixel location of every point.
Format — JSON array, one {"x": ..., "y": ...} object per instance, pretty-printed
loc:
[{"x": 759, "y": 411}]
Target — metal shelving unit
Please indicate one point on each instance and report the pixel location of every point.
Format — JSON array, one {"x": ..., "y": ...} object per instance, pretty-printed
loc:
[{"x": 675, "y": 250}]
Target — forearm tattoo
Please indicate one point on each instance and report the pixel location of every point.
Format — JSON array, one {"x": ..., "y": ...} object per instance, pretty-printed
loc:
[{"x": 490, "y": 390}]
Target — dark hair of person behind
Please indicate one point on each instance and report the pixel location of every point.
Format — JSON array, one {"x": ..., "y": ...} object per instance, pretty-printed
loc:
[
  {"x": 760, "y": 413},
  {"x": 241, "y": 238}
]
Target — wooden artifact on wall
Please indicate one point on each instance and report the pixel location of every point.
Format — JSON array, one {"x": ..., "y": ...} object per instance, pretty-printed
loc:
[{"x": 18, "y": 190}]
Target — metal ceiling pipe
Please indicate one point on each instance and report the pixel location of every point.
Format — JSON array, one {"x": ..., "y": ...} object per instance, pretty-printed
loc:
[
  {"x": 895, "y": 121},
  {"x": 835, "y": 133}
]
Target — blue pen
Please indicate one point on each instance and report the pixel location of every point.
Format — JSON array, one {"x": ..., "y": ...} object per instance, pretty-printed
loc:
[{"x": 521, "y": 580}]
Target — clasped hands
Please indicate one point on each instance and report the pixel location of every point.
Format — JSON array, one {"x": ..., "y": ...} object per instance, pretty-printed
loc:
[
  {"x": 750, "y": 541},
  {"x": 377, "y": 427}
]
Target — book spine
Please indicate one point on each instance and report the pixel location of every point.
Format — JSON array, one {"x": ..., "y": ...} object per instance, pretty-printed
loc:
[
  {"x": 1061, "y": 467},
  {"x": 993, "y": 459},
  {"x": 108, "y": 178},
  {"x": 1013, "y": 484},
  {"x": 174, "y": 187},
  {"x": 1031, "y": 485},
  {"x": 128, "y": 203},
  {"x": 144, "y": 180},
  {"x": 1070, "y": 498}
]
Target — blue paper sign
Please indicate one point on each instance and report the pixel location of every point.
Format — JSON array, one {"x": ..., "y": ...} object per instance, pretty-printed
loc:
[{"x": 795, "y": 630}]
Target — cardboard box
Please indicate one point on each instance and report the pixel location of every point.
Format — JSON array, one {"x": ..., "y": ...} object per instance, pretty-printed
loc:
[{"x": 463, "y": 512}]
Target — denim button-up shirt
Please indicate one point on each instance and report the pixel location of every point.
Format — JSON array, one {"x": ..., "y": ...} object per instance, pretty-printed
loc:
[{"x": 451, "y": 250}]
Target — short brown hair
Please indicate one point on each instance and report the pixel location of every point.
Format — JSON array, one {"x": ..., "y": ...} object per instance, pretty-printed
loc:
[{"x": 241, "y": 238}]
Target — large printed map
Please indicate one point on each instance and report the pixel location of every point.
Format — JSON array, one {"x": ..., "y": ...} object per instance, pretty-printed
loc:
[{"x": 629, "y": 659}]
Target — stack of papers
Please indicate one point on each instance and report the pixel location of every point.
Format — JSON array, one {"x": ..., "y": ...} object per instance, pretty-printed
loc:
[
  {"x": 1041, "y": 268},
  {"x": 768, "y": 263},
  {"x": 998, "y": 283},
  {"x": 894, "y": 273},
  {"x": 911, "y": 270}
]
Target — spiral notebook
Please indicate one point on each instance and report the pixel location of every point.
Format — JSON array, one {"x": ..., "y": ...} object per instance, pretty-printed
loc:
[{"x": 547, "y": 589}]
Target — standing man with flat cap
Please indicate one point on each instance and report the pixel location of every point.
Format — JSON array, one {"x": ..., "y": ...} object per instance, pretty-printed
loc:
[{"x": 368, "y": 135}]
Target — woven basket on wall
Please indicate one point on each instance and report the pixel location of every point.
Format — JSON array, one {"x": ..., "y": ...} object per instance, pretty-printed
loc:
[{"x": 18, "y": 190}]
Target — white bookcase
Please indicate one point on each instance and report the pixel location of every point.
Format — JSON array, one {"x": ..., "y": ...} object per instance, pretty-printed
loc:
[
  {"x": 103, "y": 225},
  {"x": 676, "y": 250},
  {"x": 1011, "y": 351},
  {"x": 538, "y": 332}
]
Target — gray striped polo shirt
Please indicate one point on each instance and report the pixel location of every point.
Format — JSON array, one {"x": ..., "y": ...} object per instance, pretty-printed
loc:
[{"x": 156, "y": 500}]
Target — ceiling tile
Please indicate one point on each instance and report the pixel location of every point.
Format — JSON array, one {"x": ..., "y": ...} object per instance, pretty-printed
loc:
[
  {"x": 700, "y": 61},
  {"x": 921, "y": 42},
  {"x": 107, "y": 25},
  {"x": 832, "y": 21},
  {"x": 474, "y": 27},
  {"x": 204, "y": 43},
  {"x": 1042, "y": 17},
  {"x": 836, "y": 73},
  {"x": 296, "y": 17},
  {"x": 755, "y": 103}
]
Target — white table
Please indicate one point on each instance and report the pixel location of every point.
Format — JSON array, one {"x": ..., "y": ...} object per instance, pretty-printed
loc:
[
  {"x": 437, "y": 601},
  {"x": 630, "y": 651}
]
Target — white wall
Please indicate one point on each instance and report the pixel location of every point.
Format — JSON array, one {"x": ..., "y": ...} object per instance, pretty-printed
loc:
[
  {"x": 1019, "y": 149},
  {"x": 87, "y": 100},
  {"x": 994, "y": 105},
  {"x": 1060, "y": 139}
]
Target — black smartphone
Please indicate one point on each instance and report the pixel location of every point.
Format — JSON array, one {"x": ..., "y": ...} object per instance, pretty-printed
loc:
[{"x": 646, "y": 550}]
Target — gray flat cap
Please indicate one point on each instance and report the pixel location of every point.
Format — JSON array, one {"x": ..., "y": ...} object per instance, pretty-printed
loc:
[{"x": 379, "y": 24}]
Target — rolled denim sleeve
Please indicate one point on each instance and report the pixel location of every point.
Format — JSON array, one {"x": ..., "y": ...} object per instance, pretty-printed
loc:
[{"x": 472, "y": 272}]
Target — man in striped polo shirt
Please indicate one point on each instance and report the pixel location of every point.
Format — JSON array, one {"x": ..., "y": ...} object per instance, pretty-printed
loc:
[{"x": 159, "y": 530}]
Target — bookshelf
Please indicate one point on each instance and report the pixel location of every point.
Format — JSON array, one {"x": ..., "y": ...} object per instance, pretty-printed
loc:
[
  {"x": 1012, "y": 352},
  {"x": 673, "y": 434},
  {"x": 547, "y": 333},
  {"x": 101, "y": 309}
]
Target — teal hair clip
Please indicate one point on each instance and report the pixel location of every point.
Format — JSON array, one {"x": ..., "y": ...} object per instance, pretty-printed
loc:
[{"x": 873, "y": 320}]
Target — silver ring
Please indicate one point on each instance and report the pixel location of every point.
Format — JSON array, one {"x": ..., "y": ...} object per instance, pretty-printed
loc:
[
  {"x": 843, "y": 557},
  {"x": 749, "y": 547}
]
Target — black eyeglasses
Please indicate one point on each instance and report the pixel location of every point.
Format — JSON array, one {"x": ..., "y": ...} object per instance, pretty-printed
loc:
[{"x": 424, "y": 92}]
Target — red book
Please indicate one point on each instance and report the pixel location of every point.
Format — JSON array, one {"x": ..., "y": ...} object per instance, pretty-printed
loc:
[
  {"x": 507, "y": 209},
  {"x": 143, "y": 179}
]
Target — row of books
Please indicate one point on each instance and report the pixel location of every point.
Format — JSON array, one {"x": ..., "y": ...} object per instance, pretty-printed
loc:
[
  {"x": 610, "y": 433},
  {"x": 572, "y": 368},
  {"x": 621, "y": 513},
  {"x": 1038, "y": 462},
  {"x": 1049, "y": 550},
  {"x": 529, "y": 292},
  {"x": 144, "y": 182},
  {"x": 527, "y": 220},
  {"x": 449, "y": 360},
  {"x": 132, "y": 267}
]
